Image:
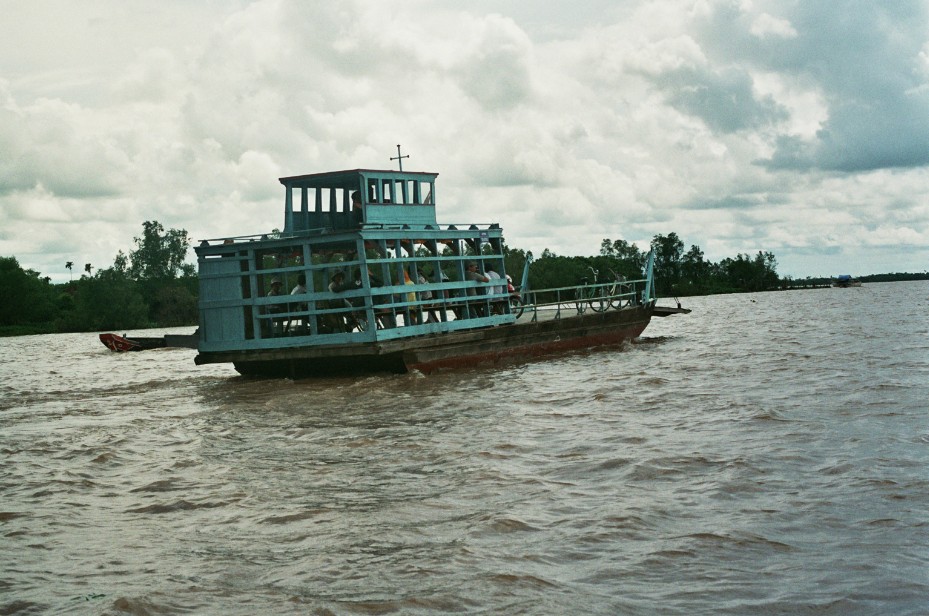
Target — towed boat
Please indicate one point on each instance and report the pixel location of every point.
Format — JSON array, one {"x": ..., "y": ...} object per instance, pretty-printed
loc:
[
  {"x": 124, "y": 343},
  {"x": 364, "y": 279}
]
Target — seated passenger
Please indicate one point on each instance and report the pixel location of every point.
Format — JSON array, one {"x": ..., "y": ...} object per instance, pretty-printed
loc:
[
  {"x": 300, "y": 289},
  {"x": 493, "y": 275},
  {"x": 473, "y": 274},
  {"x": 410, "y": 298},
  {"x": 275, "y": 287},
  {"x": 277, "y": 324},
  {"x": 335, "y": 321}
]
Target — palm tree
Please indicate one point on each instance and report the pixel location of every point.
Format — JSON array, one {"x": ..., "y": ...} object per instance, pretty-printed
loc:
[
  {"x": 87, "y": 268},
  {"x": 69, "y": 265}
]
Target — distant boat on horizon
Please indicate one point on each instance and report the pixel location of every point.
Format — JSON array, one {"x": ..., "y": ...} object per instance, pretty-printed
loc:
[{"x": 843, "y": 281}]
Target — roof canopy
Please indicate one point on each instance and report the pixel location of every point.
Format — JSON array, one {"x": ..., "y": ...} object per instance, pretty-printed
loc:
[
  {"x": 324, "y": 200},
  {"x": 353, "y": 178}
]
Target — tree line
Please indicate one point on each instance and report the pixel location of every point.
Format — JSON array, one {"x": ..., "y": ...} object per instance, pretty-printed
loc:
[
  {"x": 677, "y": 272},
  {"x": 151, "y": 286}
]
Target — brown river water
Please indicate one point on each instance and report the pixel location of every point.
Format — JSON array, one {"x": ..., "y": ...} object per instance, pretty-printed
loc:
[{"x": 766, "y": 454}]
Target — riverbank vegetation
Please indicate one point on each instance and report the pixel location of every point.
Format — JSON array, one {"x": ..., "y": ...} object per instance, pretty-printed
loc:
[
  {"x": 153, "y": 286},
  {"x": 678, "y": 272}
]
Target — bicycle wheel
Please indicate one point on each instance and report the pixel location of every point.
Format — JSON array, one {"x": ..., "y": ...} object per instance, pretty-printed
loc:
[
  {"x": 599, "y": 302},
  {"x": 516, "y": 306},
  {"x": 615, "y": 300},
  {"x": 581, "y": 301}
]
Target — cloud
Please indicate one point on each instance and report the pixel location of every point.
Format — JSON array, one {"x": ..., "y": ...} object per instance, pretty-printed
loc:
[
  {"x": 765, "y": 25},
  {"x": 56, "y": 145},
  {"x": 724, "y": 100},
  {"x": 863, "y": 60},
  {"x": 495, "y": 71},
  {"x": 741, "y": 126}
]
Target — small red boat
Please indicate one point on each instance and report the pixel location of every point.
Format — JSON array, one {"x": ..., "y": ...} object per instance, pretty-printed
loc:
[{"x": 118, "y": 343}]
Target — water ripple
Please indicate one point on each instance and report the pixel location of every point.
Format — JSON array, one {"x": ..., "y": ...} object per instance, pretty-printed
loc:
[{"x": 754, "y": 457}]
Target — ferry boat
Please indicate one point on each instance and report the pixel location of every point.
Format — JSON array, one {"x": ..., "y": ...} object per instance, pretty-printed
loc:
[{"x": 363, "y": 278}]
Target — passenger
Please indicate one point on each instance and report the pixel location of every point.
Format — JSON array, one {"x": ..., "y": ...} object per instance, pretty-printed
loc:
[
  {"x": 411, "y": 299},
  {"x": 356, "y": 285},
  {"x": 375, "y": 281},
  {"x": 384, "y": 317},
  {"x": 275, "y": 287},
  {"x": 426, "y": 296},
  {"x": 357, "y": 211},
  {"x": 422, "y": 279},
  {"x": 475, "y": 275},
  {"x": 441, "y": 276},
  {"x": 337, "y": 283},
  {"x": 335, "y": 321},
  {"x": 357, "y": 319},
  {"x": 493, "y": 275},
  {"x": 496, "y": 305},
  {"x": 300, "y": 289},
  {"x": 277, "y": 324}
]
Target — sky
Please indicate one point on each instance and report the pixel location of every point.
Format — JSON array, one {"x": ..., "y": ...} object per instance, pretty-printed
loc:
[{"x": 795, "y": 127}]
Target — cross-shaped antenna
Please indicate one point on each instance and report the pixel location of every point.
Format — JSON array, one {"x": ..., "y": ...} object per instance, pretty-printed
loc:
[{"x": 399, "y": 158}]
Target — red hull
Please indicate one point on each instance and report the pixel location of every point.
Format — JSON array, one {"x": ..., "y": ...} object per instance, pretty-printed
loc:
[
  {"x": 121, "y": 344},
  {"x": 519, "y": 352}
]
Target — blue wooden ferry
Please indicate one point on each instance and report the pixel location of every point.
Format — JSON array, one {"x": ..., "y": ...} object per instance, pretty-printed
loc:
[{"x": 363, "y": 278}]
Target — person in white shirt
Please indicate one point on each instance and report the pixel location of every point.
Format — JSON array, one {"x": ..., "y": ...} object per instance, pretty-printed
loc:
[
  {"x": 493, "y": 275},
  {"x": 300, "y": 289}
]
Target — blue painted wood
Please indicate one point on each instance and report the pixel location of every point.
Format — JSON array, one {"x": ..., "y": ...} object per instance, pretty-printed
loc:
[
  {"x": 400, "y": 214},
  {"x": 221, "y": 319}
]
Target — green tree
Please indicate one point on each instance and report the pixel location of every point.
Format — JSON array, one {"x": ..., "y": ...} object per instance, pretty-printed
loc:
[
  {"x": 669, "y": 254},
  {"x": 166, "y": 282},
  {"x": 159, "y": 254},
  {"x": 552, "y": 271},
  {"x": 514, "y": 260},
  {"x": 620, "y": 256},
  {"x": 748, "y": 274},
  {"x": 174, "y": 305},
  {"x": 766, "y": 268},
  {"x": 695, "y": 272},
  {"x": 625, "y": 251},
  {"x": 108, "y": 300},
  {"x": 27, "y": 298}
]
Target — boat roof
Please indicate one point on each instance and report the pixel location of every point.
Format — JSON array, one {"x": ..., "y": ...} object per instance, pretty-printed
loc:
[{"x": 350, "y": 177}]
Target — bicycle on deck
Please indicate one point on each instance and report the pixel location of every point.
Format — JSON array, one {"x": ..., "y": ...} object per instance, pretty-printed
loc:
[
  {"x": 591, "y": 295},
  {"x": 618, "y": 291}
]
